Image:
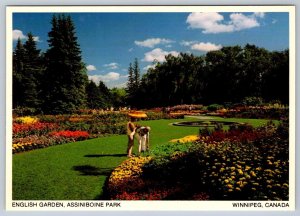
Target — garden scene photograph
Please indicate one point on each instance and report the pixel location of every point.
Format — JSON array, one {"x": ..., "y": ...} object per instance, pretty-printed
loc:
[{"x": 188, "y": 106}]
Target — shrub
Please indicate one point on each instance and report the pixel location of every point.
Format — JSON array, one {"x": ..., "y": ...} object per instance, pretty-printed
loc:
[
  {"x": 252, "y": 101},
  {"x": 24, "y": 111},
  {"x": 214, "y": 107}
]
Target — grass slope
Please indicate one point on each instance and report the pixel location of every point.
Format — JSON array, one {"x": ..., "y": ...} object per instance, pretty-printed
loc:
[{"x": 77, "y": 171}]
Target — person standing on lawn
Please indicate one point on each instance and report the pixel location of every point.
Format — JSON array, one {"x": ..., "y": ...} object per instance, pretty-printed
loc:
[{"x": 131, "y": 129}]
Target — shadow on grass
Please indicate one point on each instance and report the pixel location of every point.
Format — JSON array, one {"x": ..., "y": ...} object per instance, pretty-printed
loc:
[
  {"x": 88, "y": 170},
  {"x": 105, "y": 155}
]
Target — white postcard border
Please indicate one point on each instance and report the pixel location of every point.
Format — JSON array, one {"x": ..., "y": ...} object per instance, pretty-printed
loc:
[{"x": 151, "y": 205}]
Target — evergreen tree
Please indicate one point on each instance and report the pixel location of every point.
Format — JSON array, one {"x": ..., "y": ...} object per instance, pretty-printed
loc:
[
  {"x": 136, "y": 75},
  {"x": 27, "y": 68},
  {"x": 133, "y": 84},
  {"x": 130, "y": 83},
  {"x": 118, "y": 96},
  {"x": 31, "y": 73},
  {"x": 94, "y": 100},
  {"x": 65, "y": 76},
  {"x": 105, "y": 94},
  {"x": 98, "y": 97},
  {"x": 18, "y": 67}
]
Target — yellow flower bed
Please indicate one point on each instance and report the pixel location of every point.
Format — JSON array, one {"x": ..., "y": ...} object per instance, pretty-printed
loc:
[
  {"x": 129, "y": 169},
  {"x": 27, "y": 119},
  {"x": 186, "y": 139},
  {"x": 17, "y": 147}
]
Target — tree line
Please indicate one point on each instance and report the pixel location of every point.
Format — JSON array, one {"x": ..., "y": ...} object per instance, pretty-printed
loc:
[
  {"x": 56, "y": 81},
  {"x": 226, "y": 76}
]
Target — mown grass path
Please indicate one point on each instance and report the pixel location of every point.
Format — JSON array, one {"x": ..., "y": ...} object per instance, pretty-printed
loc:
[{"x": 78, "y": 171}]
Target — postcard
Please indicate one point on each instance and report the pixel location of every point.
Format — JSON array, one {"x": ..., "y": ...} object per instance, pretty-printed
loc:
[{"x": 166, "y": 108}]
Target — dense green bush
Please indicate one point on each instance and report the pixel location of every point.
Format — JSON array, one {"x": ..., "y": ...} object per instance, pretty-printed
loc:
[
  {"x": 24, "y": 111},
  {"x": 252, "y": 101},
  {"x": 214, "y": 107}
]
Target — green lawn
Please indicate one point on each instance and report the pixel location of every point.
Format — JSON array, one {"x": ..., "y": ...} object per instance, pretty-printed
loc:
[{"x": 78, "y": 171}]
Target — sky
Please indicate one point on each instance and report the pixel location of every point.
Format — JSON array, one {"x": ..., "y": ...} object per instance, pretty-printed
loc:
[{"x": 111, "y": 41}]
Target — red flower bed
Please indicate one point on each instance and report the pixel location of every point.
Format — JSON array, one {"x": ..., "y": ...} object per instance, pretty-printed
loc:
[
  {"x": 152, "y": 194},
  {"x": 234, "y": 135},
  {"x": 38, "y": 128},
  {"x": 76, "y": 135}
]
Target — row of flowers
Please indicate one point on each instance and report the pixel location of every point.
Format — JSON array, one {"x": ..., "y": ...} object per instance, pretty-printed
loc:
[
  {"x": 186, "y": 139},
  {"x": 35, "y": 128},
  {"x": 252, "y": 166},
  {"x": 32, "y": 142}
]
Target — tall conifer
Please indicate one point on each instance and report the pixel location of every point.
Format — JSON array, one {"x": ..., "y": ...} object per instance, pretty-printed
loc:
[
  {"x": 18, "y": 67},
  {"x": 136, "y": 73},
  {"x": 31, "y": 73},
  {"x": 130, "y": 82},
  {"x": 65, "y": 76}
]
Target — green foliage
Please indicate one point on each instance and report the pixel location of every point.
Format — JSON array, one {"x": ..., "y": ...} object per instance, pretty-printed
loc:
[
  {"x": 94, "y": 100},
  {"x": 166, "y": 150},
  {"x": 136, "y": 73},
  {"x": 65, "y": 77},
  {"x": 214, "y": 107},
  {"x": 24, "y": 111},
  {"x": 133, "y": 84},
  {"x": 252, "y": 101},
  {"x": 224, "y": 76},
  {"x": 98, "y": 97},
  {"x": 27, "y": 69},
  {"x": 118, "y": 97}
]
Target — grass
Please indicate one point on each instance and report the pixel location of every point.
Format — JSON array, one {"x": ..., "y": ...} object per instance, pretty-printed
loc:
[{"x": 78, "y": 171}]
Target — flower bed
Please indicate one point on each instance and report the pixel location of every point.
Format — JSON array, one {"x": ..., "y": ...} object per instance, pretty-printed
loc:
[
  {"x": 186, "y": 139},
  {"x": 35, "y": 142},
  {"x": 26, "y": 120},
  {"x": 32, "y": 132},
  {"x": 126, "y": 177},
  {"x": 55, "y": 138},
  {"x": 127, "y": 183},
  {"x": 258, "y": 112},
  {"x": 241, "y": 164},
  {"x": 75, "y": 135},
  {"x": 36, "y": 128}
]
